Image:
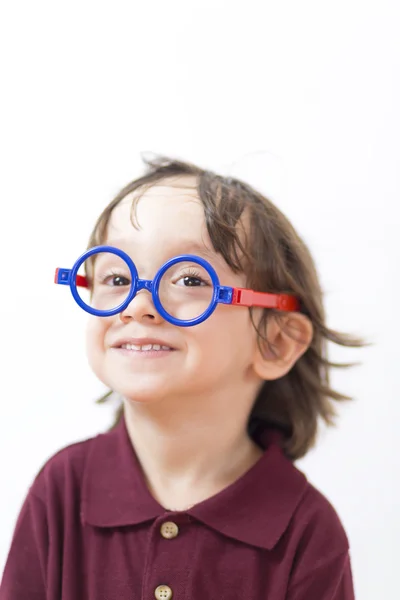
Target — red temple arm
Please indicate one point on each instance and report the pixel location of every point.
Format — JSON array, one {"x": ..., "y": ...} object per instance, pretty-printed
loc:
[
  {"x": 243, "y": 297},
  {"x": 81, "y": 281},
  {"x": 63, "y": 276}
]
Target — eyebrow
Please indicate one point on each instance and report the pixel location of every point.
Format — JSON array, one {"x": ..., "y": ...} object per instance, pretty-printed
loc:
[
  {"x": 180, "y": 246},
  {"x": 177, "y": 248},
  {"x": 190, "y": 247}
]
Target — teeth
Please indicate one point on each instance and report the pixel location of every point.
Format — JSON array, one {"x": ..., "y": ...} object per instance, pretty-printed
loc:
[{"x": 145, "y": 347}]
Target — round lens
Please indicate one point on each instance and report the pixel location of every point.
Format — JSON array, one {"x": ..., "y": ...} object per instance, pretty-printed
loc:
[
  {"x": 108, "y": 281},
  {"x": 186, "y": 290}
]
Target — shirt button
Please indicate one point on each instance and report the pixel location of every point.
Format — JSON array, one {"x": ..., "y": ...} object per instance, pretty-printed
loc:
[
  {"x": 163, "y": 592},
  {"x": 169, "y": 530}
]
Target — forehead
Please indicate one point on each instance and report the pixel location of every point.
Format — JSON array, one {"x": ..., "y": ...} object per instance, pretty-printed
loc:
[{"x": 171, "y": 208}]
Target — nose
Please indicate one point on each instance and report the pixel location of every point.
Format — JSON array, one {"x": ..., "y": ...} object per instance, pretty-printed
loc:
[{"x": 141, "y": 309}]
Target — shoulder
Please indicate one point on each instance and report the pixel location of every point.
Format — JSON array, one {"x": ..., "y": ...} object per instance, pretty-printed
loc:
[
  {"x": 318, "y": 539},
  {"x": 316, "y": 514},
  {"x": 304, "y": 511},
  {"x": 308, "y": 512},
  {"x": 63, "y": 472}
]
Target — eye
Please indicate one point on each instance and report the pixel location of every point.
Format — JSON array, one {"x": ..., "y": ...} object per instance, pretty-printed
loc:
[
  {"x": 190, "y": 281},
  {"x": 116, "y": 280},
  {"x": 191, "y": 278}
]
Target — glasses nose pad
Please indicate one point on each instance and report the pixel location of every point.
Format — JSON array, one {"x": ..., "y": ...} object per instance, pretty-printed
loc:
[
  {"x": 142, "y": 304},
  {"x": 145, "y": 284}
]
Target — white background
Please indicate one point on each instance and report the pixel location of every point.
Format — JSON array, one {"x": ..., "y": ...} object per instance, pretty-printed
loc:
[{"x": 302, "y": 100}]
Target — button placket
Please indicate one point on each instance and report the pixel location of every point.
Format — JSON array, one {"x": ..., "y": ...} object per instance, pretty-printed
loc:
[{"x": 168, "y": 559}]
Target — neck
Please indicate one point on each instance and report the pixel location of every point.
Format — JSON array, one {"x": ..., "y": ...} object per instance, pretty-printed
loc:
[{"x": 190, "y": 449}]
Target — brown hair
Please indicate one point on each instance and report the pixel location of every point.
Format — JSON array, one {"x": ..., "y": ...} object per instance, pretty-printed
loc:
[{"x": 276, "y": 260}]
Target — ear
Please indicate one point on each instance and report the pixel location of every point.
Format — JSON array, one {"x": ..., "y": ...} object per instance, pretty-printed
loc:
[{"x": 288, "y": 336}]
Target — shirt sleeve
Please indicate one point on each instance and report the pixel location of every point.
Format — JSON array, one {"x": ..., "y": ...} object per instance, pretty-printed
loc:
[
  {"x": 331, "y": 581},
  {"x": 24, "y": 576}
]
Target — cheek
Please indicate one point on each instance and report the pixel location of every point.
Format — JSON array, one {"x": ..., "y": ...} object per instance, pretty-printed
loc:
[
  {"x": 229, "y": 331},
  {"x": 95, "y": 333},
  {"x": 95, "y": 347},
  {"x": 236, "y": 321}
]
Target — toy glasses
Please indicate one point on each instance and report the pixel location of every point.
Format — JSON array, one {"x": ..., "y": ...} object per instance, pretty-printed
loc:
[{"x": 185, "y": 290}]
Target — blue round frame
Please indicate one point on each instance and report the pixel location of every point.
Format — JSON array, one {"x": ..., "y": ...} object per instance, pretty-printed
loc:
[{"x": 152, "y": 286}]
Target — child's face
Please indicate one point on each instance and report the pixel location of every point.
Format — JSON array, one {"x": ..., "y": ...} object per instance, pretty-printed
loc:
[{"x": 212, "y": 357}]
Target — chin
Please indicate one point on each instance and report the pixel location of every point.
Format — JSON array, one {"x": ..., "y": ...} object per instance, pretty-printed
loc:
[{"x": 145, "y": 396}]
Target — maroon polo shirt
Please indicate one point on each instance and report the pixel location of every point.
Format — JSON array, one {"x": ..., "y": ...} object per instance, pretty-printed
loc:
[{"x": 90, "y": 530}]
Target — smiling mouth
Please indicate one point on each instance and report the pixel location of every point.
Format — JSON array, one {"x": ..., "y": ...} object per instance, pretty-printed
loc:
[{"x": 145, "y": 348}]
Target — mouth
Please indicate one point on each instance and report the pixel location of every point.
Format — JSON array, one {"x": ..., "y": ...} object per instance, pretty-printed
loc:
[{"x": 143, "y": 346}]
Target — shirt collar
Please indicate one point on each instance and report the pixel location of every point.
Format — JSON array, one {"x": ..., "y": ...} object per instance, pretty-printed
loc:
[{"x": 256, "y": 509}]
